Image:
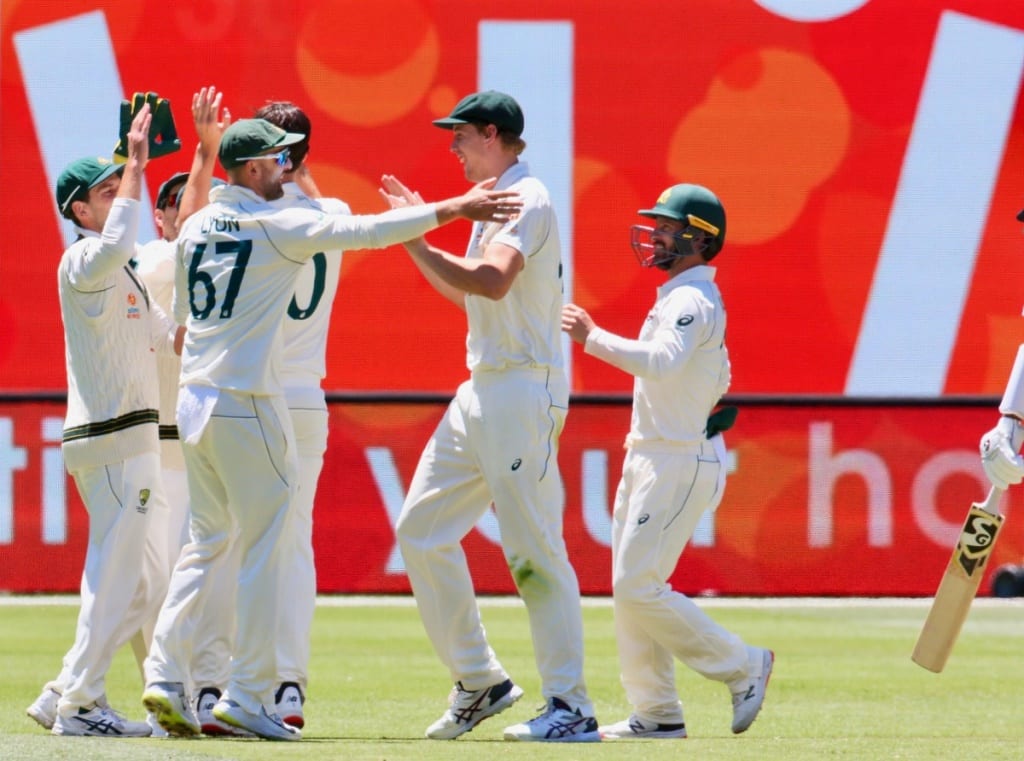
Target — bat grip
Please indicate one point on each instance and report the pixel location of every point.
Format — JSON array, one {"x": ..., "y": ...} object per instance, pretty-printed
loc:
[{"x": 991, "y": 503}]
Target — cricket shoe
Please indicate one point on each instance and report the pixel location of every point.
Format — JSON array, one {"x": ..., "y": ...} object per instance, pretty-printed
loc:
[
  {"x": 288, "y": 701},
  {"x": 748, "y": 695},
  {"x": 154, "y": 725},
  {"x": 556, "y": 723},
  {"x": 210, "y": 724},
  {"x": 260, "y": 724},
  {"x": 44, "y": 709},
  {"x": 99, "y": 721},
  {"x": 634, "y": 727},
  {"x": 167, "y": 701},
  {"x": 467, "y": 708}
]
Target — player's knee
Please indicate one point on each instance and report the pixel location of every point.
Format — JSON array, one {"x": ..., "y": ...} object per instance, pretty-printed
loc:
[{"x": 636, "y": 591}]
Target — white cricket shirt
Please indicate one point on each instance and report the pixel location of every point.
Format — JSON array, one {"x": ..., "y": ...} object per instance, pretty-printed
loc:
[
  {"x": 155, "y": 266},
  {"x": 523, "y": 329},
  {"x": 308, "y": 317},
  {"x": 680, "y": 361},
  {"x": 111, "y": 331},
  {"x": 238, "y": 259}
]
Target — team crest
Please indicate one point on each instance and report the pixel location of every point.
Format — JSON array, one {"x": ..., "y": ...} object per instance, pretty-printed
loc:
[{"x": 144, "y": 495}]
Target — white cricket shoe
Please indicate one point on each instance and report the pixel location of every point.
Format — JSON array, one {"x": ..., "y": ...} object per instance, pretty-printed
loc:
[
  {"x": 99, "y": 721},
  {"x": 154, "y": 725},
  {"x": 635, "y": 727},
  {"x": 288, "y": 701},
  {"x": 261, "y": 724},
  {"x": 748, "y": 694},
  {"x": 167, "y": 701},
  {"x": 467, "y": 708},
  {"x": 44, "y": 709},
  {"x": 210, "y": 724},
  {"x": 557, "y": 723}
]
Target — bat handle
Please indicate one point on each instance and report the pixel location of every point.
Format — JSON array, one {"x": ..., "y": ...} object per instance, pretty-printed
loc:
[{"x": 991, "y": 503}]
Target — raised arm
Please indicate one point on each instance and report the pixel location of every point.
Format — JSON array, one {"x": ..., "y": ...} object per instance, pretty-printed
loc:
[{"x": 210, "y": 122}]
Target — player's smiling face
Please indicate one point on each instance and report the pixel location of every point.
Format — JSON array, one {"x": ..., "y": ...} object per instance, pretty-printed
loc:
[
  {"x": 664, "y": 240},
  {"x": 468, "y": 145}
]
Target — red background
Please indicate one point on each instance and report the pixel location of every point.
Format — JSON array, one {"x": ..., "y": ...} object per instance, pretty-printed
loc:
[
  {"x": 761, "y": 535},
  {"x": 801, "y": 127}
]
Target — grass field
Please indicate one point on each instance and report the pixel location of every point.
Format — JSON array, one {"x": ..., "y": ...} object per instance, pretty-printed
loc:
[{"x": 843, "y": 688}]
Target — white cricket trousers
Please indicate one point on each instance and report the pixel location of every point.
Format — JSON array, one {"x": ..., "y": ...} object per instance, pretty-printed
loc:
[
  {"x": 298, "y": 582},
  {"x": 663, "y": 492},
  {"x": 123, "y": 582},
  {"x": 498, "y": 440},
  {"x": 211, "y": 650},
  {"x": 169, "y": 530},
  {"x": 240, "y": 456}
]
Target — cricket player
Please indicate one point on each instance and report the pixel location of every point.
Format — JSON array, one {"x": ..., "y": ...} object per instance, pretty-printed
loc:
[
  {"x": 110, "y": 442},
  {"x": 1001, "y": 446},
  {"x": 674, "y": 470},
  {"x": 498, "y": 441},
  {"x": 237, "y": 262},
  {"x": 304, "y": 365}
]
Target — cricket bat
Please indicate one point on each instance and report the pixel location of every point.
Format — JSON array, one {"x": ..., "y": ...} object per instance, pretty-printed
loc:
[{"x": 959, "y": 584}]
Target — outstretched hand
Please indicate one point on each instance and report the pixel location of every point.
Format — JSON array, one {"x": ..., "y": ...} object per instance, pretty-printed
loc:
[
  {"x": 482, "y": 204},
  {"x": 396, "y": 194}
]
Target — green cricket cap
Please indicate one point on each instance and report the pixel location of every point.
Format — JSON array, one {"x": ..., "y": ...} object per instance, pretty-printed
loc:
[
  {"x": 251, "y": 137},
  {"x": 489, "y": 107},
  {"x": 79, "y": 176}
]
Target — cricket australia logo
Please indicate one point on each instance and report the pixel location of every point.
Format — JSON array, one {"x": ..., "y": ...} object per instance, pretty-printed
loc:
[
  {"x": 977, "y": 540},
  {"x": 143, "y": 499}
]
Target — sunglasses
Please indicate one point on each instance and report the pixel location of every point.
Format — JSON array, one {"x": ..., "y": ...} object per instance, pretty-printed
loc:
[{"x": 281, "y": 157}]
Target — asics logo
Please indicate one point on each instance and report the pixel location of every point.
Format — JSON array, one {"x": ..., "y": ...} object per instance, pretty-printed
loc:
[
  {"x": 101, "y": 726},
  {"x": 565, "y": 728},
  {"x": 516, "y": 463},
  {"x": 465, "y": 715},
  {"x": 643, "y": 519}
]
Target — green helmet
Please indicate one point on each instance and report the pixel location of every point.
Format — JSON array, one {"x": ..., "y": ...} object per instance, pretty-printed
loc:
[{"x": 695, "y": 206}]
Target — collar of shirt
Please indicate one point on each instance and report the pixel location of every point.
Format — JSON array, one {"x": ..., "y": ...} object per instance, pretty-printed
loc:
[
  {"x": 83, "y": 233},
  {"x": 513, "y": 174},
  {"x": 234, "y": 193},
  {"x": 700, "y": 272}
]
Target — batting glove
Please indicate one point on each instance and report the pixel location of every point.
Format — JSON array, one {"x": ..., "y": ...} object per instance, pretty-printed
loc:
[{"x": 1000, "y": 456}]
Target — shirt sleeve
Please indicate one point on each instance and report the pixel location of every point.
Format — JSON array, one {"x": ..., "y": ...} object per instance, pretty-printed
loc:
[
  {"x": 116, "y": 245},
  {"x": 680, "y": 329},
  {"x": 528, "y": 231},
  {"x": 306, "y": 236}
]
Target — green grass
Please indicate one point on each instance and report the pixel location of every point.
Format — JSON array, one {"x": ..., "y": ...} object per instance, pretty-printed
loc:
[{"x": 843, "y": 688}]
